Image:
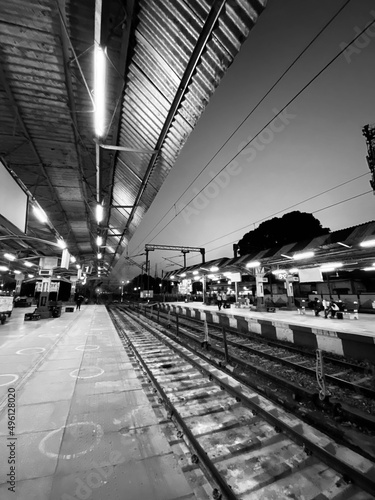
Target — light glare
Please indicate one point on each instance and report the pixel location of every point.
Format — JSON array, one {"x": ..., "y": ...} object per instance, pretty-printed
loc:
[
  {"x": 61, "y": 244},
  {"x": 368, "y": 243}
]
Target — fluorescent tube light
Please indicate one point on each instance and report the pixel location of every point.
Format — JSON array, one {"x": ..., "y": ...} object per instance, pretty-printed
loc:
[
  {"x": 368, "y": 243},
  {"x": 286, "y": 256},
  {"x": 331, "y": 265},
  {"x": 254, "y": 263},
  {"x": 99, "y": 213},
  {"x": 303, "y": 255},
  {"x": 40, "y": 214},
  {"x": 279, "y": 271},
  {"x": 99, "y": 90},
  {"x": 10, "y": 256}
]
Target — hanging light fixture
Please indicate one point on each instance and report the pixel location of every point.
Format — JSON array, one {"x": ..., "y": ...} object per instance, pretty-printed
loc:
[{"x": 99, "y": 90}]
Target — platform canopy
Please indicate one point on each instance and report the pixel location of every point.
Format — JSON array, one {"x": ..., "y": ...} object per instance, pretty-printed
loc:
[
  {"x": 163, "y": 60},
  {"x": 348, "y": 249}
]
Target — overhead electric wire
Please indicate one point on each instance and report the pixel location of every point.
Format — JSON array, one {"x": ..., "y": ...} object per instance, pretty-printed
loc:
[
  {"x": 343, "y": 201},
  {"x": 288, "y": 208},
  {"x": 246, "y": 118},
  {"x": 265, "y": 126},
  {"x": 314, "y": 212}
]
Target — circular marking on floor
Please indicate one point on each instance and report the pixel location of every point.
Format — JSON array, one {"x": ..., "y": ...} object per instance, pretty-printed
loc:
[
  {"x": 74, "y": 435},
  {"x": 87, "y": 347},
  {"x": 15, "y": 377},
  {"x": 39, "y": 349},
  {"x": 74, "y": 373}
]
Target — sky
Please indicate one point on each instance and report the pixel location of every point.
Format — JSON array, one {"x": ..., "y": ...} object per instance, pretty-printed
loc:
[{"x": 315, "y": 145}]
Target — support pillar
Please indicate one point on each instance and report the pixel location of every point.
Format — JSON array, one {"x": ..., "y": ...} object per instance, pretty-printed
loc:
[
  {"x": 19, "y": 280},
  {"x": 204, "y": 288},
  {"x": 289, "y": 293},
  {"x": 73, "y": 280},
  {"x": 260, "y": 303},
  {"x": 43, "y": 301}
]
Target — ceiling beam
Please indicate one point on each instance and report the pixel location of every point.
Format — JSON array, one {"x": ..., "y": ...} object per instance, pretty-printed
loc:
[
  {"x": 131, "y": 7},
  {"x": 72, "y": 109}
]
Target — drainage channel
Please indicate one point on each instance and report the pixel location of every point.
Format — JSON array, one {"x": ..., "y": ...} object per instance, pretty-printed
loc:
[{"x": 248, "y": 447}]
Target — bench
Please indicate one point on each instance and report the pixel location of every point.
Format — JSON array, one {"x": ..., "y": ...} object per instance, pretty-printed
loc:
[{"x": 32, "y": 316}]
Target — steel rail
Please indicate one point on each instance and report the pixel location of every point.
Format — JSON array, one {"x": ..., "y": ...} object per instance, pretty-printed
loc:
[
  {"x": 298, "y": 432},
  {"x": 348, "y": 412},
  {"x": 203, "y": 457},
  {"x": 309, "y": 371}
]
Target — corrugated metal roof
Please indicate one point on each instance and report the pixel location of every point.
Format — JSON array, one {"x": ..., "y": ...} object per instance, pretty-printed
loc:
[
  {"x": 164, "y": 62},
  {"x": 325, "y": 247},
  {"x": 165, "y": 38}
]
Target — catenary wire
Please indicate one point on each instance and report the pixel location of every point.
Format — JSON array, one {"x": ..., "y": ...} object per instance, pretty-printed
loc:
[
  {"x": 288, "y": 208},
  {"x": 250, "y": 113},
  {"x": 285, "y": 209},
  {"x": 266, "y": 125},
  {"x": 314, "y": 212}
]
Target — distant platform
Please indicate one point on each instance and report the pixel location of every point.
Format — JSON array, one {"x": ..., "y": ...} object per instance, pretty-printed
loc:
[{"x": 353, "y": 338}]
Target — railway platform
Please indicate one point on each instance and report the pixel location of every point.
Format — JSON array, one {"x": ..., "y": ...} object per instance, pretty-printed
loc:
[
  {"x": 354, "y": 338},
  {"x": 75, "y": 422}
]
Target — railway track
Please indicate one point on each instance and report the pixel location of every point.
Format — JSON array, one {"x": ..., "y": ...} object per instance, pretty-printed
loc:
[
  {"x": 349, "y": 387},
  {"x": 248, "y": 447}
]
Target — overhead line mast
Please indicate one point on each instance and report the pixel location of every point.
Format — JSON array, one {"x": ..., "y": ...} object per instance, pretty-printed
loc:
[{"x": 184, "y": 250}]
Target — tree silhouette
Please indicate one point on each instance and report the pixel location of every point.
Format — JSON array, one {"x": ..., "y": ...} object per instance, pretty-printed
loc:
[{"x": 292, "y": 227}]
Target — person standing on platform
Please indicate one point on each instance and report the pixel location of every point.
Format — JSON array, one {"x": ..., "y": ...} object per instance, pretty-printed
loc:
[
  {"x": 317, "y": 306},
  {"x": 79, "y": 302},
  {"x": 224, "y": 299},
  {"x": 219, "y": 300}
]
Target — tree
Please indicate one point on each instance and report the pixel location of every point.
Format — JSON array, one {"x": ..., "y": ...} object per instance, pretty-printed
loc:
[{"x": 292, "y": 227}]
